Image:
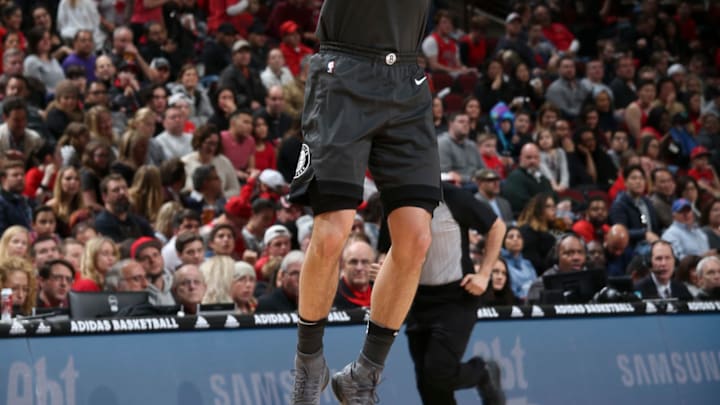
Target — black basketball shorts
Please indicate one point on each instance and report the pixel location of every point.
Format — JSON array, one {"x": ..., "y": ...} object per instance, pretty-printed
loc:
[{"x": 363, "y": 112}]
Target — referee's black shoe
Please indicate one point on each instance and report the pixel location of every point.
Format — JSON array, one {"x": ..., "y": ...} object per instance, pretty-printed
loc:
[{"x": 490, "y": 389}]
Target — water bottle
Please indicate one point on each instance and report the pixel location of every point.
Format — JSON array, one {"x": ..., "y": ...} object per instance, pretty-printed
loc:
[{"x": 7, "y": 305}]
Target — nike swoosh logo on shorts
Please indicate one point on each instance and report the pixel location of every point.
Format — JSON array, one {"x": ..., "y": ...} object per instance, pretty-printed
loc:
[{"x": 420, "y": 81}]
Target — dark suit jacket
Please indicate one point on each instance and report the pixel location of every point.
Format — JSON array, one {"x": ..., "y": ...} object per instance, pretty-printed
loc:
[
  {"x": 247, "y": 89},
  {"x": 15, "y": 209},
  {"x": 520, "y": 186},
  {"x": 647, "y": 288},
  {"x": 623, "y": 211},
  {"x": 506, "y": 213},
  {"x": 276, "y": 301},
  {"x": 622, "y": 93}
]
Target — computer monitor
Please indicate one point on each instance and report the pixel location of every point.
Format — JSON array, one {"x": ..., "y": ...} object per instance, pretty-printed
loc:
[
  {"x": 91, "y": 305},
  {"x": 621, "y": 283},
  {"x": 573, "y": 287}
]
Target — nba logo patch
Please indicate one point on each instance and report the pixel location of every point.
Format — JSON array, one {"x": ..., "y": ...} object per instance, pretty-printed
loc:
[{"x": 331, "y": 67}]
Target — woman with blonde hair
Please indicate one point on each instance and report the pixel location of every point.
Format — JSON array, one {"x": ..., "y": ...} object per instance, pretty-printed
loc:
[
  {"x": 164, "y": 221},
  {"x": 146, "y": 192},
  {"x": 143, "y": 121},
  {"x": 99, "y": 121},
  {"x": 66, "y": 198},
  {"x": 99, "y": 256},
  {"x": 218, "y": 272},
  {"x": 15, "y": 242},
  {"x": 242, "y": 288},
  {"x": 18, "y": 274}
]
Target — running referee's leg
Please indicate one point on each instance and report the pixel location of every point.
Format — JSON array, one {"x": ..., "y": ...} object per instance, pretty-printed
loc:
[{"x": 318, "y": 282}]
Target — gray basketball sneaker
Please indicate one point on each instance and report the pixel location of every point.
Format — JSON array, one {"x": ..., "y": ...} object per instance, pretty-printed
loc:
[
  {"x": 356, "y": 383},
  {"x": 311, "y": 378}
]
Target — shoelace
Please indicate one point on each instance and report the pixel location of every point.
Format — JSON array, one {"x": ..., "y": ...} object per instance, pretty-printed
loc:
[
  {"x": 302, "y": 384},
  {"x": 372, "y": 387}
]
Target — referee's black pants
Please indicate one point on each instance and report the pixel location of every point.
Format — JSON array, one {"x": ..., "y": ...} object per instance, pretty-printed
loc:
[{"x": 438, "y": 327}]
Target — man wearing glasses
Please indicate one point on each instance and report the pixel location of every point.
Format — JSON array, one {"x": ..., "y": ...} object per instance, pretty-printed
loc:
[
  {"x": 189, "y": 288},
  {"x": 354, "y": 289},
  {"x": 55, "y": 278},
  {"x": 284, "y": 298},
  {"x": 126, "y": 275}
]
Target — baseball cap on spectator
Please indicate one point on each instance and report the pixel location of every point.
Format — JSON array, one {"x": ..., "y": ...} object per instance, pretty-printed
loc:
[
  {"x": 288, "y": 27},
  {"x": 275, "y": 231},
  {"x": 227, "y": 29},
  {"x": 512, "y": 17},
  {"x": 237, "y": 207},
  {"x": 243, "y": 269},
  {"x": 176, "y": 98},
  {"x": 272, "y": 178},
  {"x": 143, "y": 243},
  {"x": 159, "y": 63},
  {"x": 675, "y": 68},
  {"x": 486, "y": 175},
  {"x": 699, "y": 151},
  {"x": 680, "y": 204},
  {"x": 240, "y": 45}
]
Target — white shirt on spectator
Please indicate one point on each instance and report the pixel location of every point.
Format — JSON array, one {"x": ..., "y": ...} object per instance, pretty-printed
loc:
[
  {"x": 85, "y": 16},
  {"x": 223, "y": 167},
  {"x": 174, "y": 146},
  {"x": 50, "y": 73},
  {"x": 270, "y": 78},
  {"x": 170, "y": 255}
]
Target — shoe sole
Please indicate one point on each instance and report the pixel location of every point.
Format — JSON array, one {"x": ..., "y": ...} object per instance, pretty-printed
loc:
[
  {"x": 337, "y": 392},
  {"x": 494, "y": 375}
]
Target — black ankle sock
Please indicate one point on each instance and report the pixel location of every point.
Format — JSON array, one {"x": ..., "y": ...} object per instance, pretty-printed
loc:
[
  {"x": 310, "y": 335},
  {"x": 378, "y": 342}
]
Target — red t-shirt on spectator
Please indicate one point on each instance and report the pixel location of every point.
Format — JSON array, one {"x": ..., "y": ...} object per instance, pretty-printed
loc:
[
  {"x": 559, "y": 35},
  {"x": 586, "y": 230},
  {"x": 85, "y": 285},
  {"x": 477, "y": 50},
  {"x": 142, "y": 14},
  {"x": 447, "y": 50},
  {"x": 238, "y": 152},
  {"x": 266, "y": 158},
  {"x": 33, "y": 178},
  {"x": 293, "y": 56},
  {"x": 495, "y": 164},
  {"x": 704, "y": 174}
]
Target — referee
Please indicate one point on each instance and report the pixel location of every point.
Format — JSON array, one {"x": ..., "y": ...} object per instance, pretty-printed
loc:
[
  {"x": 444, "y": 311},
  {"x": 367, "y": 106}
]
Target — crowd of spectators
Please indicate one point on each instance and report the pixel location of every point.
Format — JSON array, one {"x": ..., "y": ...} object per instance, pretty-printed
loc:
[{"x": 147, "y": 146}]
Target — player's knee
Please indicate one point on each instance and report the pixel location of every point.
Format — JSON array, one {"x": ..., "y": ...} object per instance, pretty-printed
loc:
[
  {"x": 328, "y": 241},
  {"x": 414, "y": 244}
]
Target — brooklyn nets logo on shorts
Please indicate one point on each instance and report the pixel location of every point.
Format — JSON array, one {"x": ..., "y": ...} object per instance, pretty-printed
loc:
[{"x": 303, "y": 161}]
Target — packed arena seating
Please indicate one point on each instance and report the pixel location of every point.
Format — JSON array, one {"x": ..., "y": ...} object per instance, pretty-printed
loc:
[{"x": 150, "y": 148}]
